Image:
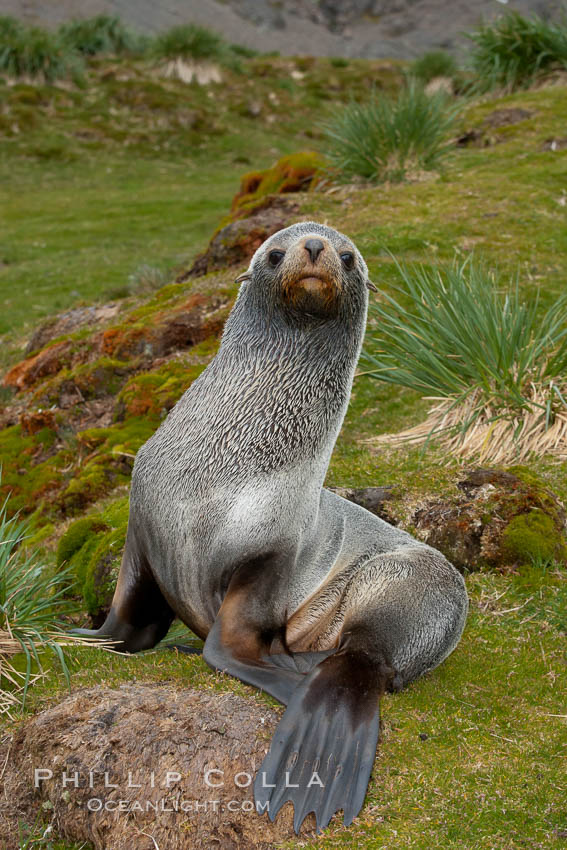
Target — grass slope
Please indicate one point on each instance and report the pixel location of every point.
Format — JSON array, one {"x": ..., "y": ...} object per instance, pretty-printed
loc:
[
  {"x": 84, "y": 216},
  {"x": 78, "y": 233}
]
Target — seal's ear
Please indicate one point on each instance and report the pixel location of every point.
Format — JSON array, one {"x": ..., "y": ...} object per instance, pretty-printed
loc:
[
  {"x": 370, "y": 285},
  {"x": 244, "y": 276}
]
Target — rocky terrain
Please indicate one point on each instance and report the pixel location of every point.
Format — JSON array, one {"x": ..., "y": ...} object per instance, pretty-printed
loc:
[{"x": 396, "y": 29}]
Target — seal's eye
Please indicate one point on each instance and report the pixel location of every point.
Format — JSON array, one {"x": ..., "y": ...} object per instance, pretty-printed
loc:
[
  {"x": 347, "y": 260},
  {"x": 275, "y": 258}
]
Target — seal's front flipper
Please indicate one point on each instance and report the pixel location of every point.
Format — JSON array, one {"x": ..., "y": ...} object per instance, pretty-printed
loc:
[
  {"x": 139, "y": 616},
  {"x": 323, "y": 749},
  {"x": 185, "y": 648}
]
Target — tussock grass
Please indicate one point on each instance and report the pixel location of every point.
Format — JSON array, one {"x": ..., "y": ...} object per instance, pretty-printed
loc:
[
  {"x": 510, "y": 53},
  {"x": 35, "y": 52},
  {"x": 146, "y": 278},
  {"x": 434, "y": 63},
  {"x": 495, "y": 367},
  {"x": 101, "y": 34},
  {"x": 31, "y": 607},
  {"x": 389, "y": 138},
  {"x": 190, "y": 41},
  {"x": 9, "y": 28}
]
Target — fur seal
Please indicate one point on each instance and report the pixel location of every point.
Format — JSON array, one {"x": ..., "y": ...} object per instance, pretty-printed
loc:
[{"x": 294, "y": 589}]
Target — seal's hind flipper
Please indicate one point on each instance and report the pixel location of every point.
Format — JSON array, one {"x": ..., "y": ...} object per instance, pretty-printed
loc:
[
  {"x": 301, "y": 662},
  {"x": 323, "y": 749}
]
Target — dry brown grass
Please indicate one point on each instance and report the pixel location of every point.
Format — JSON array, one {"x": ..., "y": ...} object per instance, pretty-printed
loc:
[{"x": 495, "y": 435}]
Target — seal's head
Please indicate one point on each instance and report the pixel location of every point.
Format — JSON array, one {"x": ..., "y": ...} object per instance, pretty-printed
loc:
[{"x": 311, "y": 270}]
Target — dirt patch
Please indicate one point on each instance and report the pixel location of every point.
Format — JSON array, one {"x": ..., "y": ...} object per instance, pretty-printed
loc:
[
  {"x": 505, "y": 117},
  {"x": 155, "y": 744}
]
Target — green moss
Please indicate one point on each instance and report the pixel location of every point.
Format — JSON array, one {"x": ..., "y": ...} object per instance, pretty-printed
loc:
[
  {"x": 101, "y": 571},
  {"x": 533, "y": 537},
  {"x": 154, "y": 393},
  {"x": 76, "y": 536},
  {"x": 39, "y": 535},
  {"x": 527, "y": 475},
  {"x": 30, "y": 481},
  {"x": 81, "y": 560},
  {"x": 56, "y": 473},
  {"x": 207, "y": 349},
  {"x": 92, "y": 547},
  {"x": 537, "y": 492},
  {"x": 102, "y": 377}
]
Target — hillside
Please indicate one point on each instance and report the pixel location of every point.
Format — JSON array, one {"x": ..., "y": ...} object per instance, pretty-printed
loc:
[
  {"x": 398, "y": 29},
  {"x": 118, "y": 257}
]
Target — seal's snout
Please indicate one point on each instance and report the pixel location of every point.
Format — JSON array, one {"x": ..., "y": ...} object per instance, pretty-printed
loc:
[
  {"x": 314, "y": 247},
  {"x": 311, "y": 276}
]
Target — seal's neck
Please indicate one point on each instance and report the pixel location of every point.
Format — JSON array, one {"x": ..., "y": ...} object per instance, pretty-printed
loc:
[{"x": 285, "y": 384}]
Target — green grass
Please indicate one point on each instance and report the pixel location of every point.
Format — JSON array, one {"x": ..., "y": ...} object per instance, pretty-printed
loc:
[
  {"x": 58, "y": 245},
  {"x": 97, "y": 181},
  {"x": 514, "y": 50},
  {"x": 385, "y": 138},
  {"x": 101, "y": 34},
  {"x": 434, "y": 63}
]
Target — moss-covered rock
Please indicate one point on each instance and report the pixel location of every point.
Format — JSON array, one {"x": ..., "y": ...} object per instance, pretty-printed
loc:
[
  {"x": 103, "y": 377},
  {"x": 85, "y": 404},
  {"x": 92, "y": 547},
  {"x": 76, "y": 536},
  {"x": 155, "y": 393},
  {"x": 48, "y": 361},
  {"x": 235, "y": 241},
  {"x": 501, "y": 519},
  {"x": 296, "y": 172},
  {"x": 155, "y": 333}
]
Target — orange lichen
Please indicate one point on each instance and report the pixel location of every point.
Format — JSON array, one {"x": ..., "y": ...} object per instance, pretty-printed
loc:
[
  {"x": 47, "y": 362},
  {"x": 36, "y": 420},
  {"x": 293, "y": 173}
]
